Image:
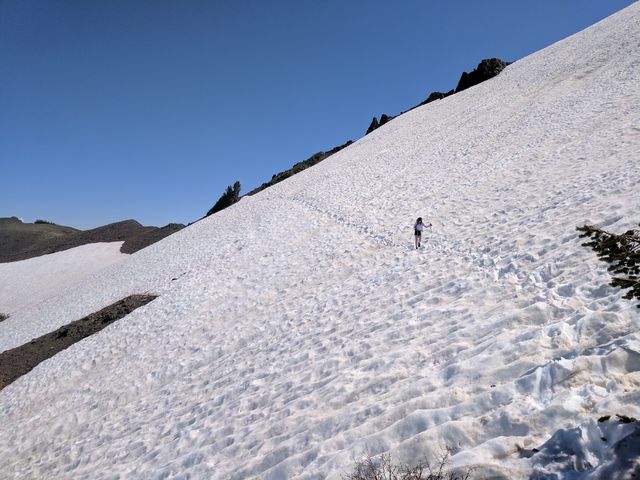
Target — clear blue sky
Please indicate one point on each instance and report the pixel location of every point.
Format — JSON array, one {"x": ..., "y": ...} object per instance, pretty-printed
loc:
[{"x": 148, "y": 109}]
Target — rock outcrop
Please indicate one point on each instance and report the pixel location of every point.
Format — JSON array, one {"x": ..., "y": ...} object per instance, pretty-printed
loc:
[{"x": 485, "y": 70}]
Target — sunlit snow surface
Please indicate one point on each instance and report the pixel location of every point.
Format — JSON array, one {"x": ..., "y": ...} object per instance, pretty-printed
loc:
[
  {"x": 298, "y": 329},
  {"x": 29, "y": 282}
]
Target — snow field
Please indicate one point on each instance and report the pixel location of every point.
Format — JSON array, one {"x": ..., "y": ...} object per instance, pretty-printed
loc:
[
  {"x": 28, "y": 282},
  {"x": 300, "y": 328}
]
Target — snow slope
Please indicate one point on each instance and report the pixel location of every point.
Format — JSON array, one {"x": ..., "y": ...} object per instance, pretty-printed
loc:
[
  {"x": 31, "y": 281},
  {"x": 299, "y": 328}
]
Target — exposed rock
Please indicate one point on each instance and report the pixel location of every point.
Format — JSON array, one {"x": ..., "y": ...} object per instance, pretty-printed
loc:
[
  {"x": 486, "y": 69},
  {"x": 384, "y": 118},
  {"x": 433, "y": 96},
  {"x": 373, "y": 125}
]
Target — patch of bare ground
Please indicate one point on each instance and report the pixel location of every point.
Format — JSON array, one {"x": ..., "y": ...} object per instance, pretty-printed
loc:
[{"x": 21, "y": 360}]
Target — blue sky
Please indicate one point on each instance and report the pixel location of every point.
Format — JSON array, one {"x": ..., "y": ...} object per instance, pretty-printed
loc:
[{"x": 148, "y": 109}]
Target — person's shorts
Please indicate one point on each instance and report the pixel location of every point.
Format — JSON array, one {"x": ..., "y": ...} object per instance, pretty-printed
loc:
[{"x": 418, "y": 233}]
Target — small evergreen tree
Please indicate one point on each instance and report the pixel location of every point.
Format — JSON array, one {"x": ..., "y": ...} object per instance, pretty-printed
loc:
[
  {"x": 228, "y": 198},
  {"x": 622, "y": 252}
]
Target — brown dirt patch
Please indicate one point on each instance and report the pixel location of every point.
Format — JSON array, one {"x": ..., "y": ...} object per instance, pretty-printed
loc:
[{"x": 21, "y": 360}]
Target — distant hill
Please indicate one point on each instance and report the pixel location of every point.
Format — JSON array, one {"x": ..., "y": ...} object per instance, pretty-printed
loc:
[
  {"x": 19, "y": 240},
  {"x": 149, "y": 236}
]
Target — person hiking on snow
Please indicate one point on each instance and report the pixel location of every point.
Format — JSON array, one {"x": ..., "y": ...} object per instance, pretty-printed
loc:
[{"x": 417, "y": 228}]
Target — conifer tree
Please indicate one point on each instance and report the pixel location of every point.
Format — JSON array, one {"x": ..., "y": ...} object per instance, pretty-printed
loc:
[{"x": 228, "y": 198}]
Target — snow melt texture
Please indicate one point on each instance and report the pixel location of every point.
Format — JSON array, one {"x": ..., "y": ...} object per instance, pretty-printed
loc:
[{"x": 299, "y": 329}]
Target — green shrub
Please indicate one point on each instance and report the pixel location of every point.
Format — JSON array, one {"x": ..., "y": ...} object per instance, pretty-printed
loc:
[{"x": 44, "y": 222}]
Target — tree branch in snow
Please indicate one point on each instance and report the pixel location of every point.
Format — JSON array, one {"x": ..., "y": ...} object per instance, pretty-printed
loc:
[{"x": 622, "y": 252}]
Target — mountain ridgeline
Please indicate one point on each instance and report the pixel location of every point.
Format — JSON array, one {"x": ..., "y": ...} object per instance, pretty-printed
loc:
[
  {"x": 298, "y": 167},
  {"x": 485, "y": 70},
  {"x": 299, "y": 332},
  {"x": 20, "y": 241}
]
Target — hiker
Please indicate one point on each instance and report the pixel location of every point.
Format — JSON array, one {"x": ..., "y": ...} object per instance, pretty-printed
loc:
[{"x": 417, "y": 229}]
